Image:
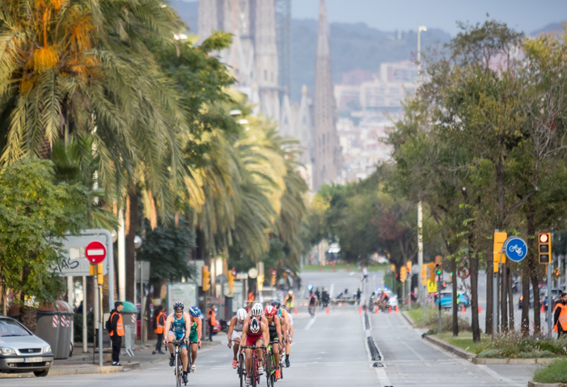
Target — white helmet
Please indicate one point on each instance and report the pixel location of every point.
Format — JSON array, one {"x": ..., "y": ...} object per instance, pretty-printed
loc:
[
  {"x": 254, "y": 325},
  {"x": 257, "y": 310},
  {"x": 241, "y": 314},
  {"x": 290, "y": 292}
]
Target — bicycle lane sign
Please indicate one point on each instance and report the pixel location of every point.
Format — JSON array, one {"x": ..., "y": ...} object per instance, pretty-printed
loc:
[{"x": 515, "y": 249}]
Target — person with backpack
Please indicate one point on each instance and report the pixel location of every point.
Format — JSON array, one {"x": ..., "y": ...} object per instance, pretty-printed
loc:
[
  {"x": 115, "y": 328},
  {"x": 159, "y": 328}
]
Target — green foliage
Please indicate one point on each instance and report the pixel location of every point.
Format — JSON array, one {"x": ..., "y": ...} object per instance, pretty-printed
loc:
[
  {"x": 513, "y": 345},
  {"x": 168, "y": 251},
  {"x": 555, "y": 372},
  {"x": 33, "y": 209}
]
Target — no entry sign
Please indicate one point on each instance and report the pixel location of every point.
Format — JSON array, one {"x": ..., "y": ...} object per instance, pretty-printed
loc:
[{"x": 95, "y": 252}]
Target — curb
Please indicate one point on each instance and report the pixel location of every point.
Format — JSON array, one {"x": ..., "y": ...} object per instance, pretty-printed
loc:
[
  {"x": 531, "y": 361},
  {"x": 408, "y": 319},
  {"x": 536, "y": 384},
  {"x": 451, "y": 348}
]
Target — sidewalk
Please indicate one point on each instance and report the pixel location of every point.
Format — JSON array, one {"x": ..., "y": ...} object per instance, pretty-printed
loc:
[{"x": 81, "y": 363}]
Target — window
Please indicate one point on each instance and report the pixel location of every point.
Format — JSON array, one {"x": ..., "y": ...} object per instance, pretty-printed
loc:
[{"x": 12, "y": 328}]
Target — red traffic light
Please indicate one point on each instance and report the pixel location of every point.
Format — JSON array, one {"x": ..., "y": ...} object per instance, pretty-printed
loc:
[
  {"x": 543, "y": 238},
  {"x": 234, "y": 272}
]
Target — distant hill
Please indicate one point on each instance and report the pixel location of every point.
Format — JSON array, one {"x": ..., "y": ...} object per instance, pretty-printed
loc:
[{"x": 557, "y": 27}]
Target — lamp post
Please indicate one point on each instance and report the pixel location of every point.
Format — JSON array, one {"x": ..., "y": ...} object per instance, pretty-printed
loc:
[{"x": 420, "y": 29}]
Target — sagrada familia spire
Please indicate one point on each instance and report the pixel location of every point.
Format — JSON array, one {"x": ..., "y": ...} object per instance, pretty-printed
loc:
[{"x": 327, "y": 153}]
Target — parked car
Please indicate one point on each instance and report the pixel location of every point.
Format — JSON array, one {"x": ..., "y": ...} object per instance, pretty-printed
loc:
[
  {"x": 447, "y": 300},
  {"x": 21, "y": 350}
]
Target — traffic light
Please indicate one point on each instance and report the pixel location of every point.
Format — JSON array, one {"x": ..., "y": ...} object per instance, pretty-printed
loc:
[
  {"x": 273, "y": 277},
  {"x": 544, "y": 241},
  {"x": 409, "y": 265},
  {"x": 230, "y": 282},
  {"x": 206, "y": 278},
  {"x": 439, "y": 271},
  {"x": 260, "y": 284},
  {"x": 403, "y": 273}
]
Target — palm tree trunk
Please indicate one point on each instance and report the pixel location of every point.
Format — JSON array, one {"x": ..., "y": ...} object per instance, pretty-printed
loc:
[{"x": 132, "y": 216}]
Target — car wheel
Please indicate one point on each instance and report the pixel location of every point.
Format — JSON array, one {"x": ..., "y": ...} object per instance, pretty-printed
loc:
[{"x": 41, "y": 374}]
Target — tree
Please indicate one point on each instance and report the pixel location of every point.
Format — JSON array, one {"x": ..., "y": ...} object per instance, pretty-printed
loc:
[{"x": 34, "y": 209}]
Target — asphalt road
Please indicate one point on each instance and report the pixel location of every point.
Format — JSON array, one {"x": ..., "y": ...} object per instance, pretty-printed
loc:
[{"x": 329, "y": 350}]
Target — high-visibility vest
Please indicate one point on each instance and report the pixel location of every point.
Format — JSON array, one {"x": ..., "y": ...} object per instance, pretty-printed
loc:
[
  {"x": 212, "y": 317},
  {"x": 159, "y": 323},
  {"x": 119, "y": 325},
  {"x": 562, "y": 317}
]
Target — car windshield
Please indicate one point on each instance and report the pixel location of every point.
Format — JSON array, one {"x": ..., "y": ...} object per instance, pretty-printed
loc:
[{"x": 10, "y": 328}]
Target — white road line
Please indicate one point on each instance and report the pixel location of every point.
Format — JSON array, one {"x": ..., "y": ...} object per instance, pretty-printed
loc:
[
  {"x": 310, "y": 323},
  {"x": 331, "y": 289},
  {"x": 381, "y": 374},
  {"x": 416, "y": 354}
]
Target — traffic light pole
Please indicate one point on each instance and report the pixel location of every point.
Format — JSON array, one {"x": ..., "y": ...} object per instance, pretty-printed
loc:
[
  {"x": 549, "y": 301},
  {"x": 439, "y": 282}
]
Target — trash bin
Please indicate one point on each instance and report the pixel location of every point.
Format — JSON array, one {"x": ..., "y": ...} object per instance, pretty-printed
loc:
[
  {"x": 48, "y": 326},
  {"x": 129, "y": 318},
  {"x": 65, "y": 328}
]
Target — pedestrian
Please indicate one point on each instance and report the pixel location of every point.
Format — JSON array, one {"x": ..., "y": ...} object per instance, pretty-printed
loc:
[
  {"x": 358, "y": 294},
  {"x": 364, "y": 274},
  {"x": 298, "y": 283},
  {"x": 159, "y": 328},
  {"x": 116, "y": 332},
  {"x": 211, "y": 319},
  {"x": 560, "y": 316}
]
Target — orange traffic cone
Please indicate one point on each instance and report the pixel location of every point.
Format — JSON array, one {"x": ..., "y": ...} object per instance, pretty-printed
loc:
[
  {"x": 296, "y": 311},
  {"x": 542, "y": 309},
  {"x": 340, "y": 304},
  {"x": 389, "y": 309},
  {"x": 464, "y": 309},
  {"x": 327, "y": 310},
  {"x": 375, "y": 309},
  {"x": 360, "y": 310},
  {"x": 397, "y": 311},
  {"x": 479, "y": 309}
]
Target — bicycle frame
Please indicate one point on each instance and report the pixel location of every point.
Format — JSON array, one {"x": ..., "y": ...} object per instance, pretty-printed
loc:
[{"x": 255, "y": 378}]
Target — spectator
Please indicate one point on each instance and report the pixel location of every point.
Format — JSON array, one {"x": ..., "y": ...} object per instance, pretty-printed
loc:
[
  {"x": 159, "y": 328},
  {"x": 116, "y": 332}
]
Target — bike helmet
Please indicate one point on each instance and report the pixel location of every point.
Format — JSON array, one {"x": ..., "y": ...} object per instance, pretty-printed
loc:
[
  {"x": 290, "y": 292},
  {"x": 276, "y": 304},
  {"x": 270, "y": 311},
  {"x": 257, "y": 310},
  {"x": 241, "y": 314},
  {"x": 254, "y": 325},
  {"x": 178, "y": 305},
  {"x": 195, "y": 312}
]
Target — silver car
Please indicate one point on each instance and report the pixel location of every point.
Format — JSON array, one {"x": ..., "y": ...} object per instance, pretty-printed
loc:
[{"x": 21, "y": 350}]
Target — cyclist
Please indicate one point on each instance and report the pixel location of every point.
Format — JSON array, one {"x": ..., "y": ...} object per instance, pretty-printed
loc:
[
  {"x": 312, "y": 303},
  {"x": 274, "y": 327},
  {"x": 289, "y": 300},
  {"x": 235, "y": 332},
  {"x": 258, "y": 312},
  {"x": 255, "y": 333},
  {"x": 177, "y": 326},
  {"x": 287, "y": 339}
]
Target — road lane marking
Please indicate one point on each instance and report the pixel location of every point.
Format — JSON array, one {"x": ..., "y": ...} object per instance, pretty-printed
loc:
[
  {"x": 331, "y": 289},
  {"x": 381, "y": 374},
  {"x": 416, "y": 354},
  {"x": 497, "y": 376},
  {"x": 310, "y": 323}
]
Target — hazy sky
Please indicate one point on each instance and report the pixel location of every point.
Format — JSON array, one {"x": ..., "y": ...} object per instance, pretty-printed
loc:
[{"x": 390, "y": 15}]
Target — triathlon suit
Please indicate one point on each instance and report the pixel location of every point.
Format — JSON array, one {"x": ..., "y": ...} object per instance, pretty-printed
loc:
[
  {"x": 194, "y": 335},
  {"x": 273, "y": 330},
  {"x": 178, "y": 328},
  {"x": 237, "y": 331},
  {"x": 251, "y": 338},
  {"x": 282, "y": 322}
]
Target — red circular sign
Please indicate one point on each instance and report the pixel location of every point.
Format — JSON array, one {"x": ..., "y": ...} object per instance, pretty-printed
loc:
[{"x": 95, "y": 252}]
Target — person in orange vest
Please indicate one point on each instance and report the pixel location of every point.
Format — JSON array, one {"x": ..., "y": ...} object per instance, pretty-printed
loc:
[
  {"x": 560, "y": 316},
  {"x": 211, "y": 319},
  {"x": 159, "y": 328},
  {"x": 116, "y": 332}
]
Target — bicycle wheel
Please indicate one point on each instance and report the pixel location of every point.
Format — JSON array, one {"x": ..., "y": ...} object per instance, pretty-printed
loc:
[
  {"x": 178, "y": 371},
  {"x": 281, "y": 365},
  {"x": 269, "y": 370},
  {"x": 241, "y": 369},
  {"x": 253, "y": 371}
]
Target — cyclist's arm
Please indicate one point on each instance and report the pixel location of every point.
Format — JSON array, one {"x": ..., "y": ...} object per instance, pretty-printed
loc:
[
  {"x": 291, "y": 334},
  {"x": 286, "y": 318},
  {"x": 244, "y": 333},
  {"x": 187, "y": 319},
  {"x": 167, "y": 325},
  {"x": 199, "y": 330},
  {"x": 265, "y": 334},
  {"x": 278, "y": 329},
  {"x": 231, "y": 327}
]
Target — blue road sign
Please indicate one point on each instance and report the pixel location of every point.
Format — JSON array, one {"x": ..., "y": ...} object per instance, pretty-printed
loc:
[{"x": 515, "y": 249}]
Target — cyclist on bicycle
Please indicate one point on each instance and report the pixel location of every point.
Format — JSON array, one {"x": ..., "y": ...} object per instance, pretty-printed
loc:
[
  {"x": 274, "y": 327},
  {"x": 289, "y": 300},
  {"x": 177, "y": 325},
  {"x": 235, "y": 332},
  {"x": 287, "y": 339},
  {"x": 258, "y": 312},
  {"x": 312, "y": 303},
  {"x": 254, "y": 333}
]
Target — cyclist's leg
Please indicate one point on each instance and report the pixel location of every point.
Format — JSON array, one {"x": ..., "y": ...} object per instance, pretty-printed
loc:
[
  {"x": 287, "y": 344},
  {"x": 184, "y": 357},
  {"x": 248, "y": 360},
  {"x": 235, "y": 343},
  {"x": 170, "y": 338},
  {"x": 276, "y": 352},
  {"x": 260, "y": 353},
  {"x": 194, "y": 348}
]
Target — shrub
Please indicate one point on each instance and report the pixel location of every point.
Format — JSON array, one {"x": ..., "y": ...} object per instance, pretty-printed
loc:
[{"x": 555, "y": 372}]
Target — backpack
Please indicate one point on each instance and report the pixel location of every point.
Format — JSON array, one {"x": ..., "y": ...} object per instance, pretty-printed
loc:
[{"x": 108, "y": 325}]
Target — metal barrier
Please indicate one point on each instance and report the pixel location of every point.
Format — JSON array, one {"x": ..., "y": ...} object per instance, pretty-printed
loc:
[{"x": 129, "y": 339}]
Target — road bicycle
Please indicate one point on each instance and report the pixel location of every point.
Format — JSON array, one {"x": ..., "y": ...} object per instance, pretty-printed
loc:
[
  {"x": 254, "y": 375},
  {"x": 178, "y": 363},
  {"x": 241, "y": 368}
]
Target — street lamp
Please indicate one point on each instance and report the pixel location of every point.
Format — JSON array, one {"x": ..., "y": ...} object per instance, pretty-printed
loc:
[{"x": 420, "y": 29}]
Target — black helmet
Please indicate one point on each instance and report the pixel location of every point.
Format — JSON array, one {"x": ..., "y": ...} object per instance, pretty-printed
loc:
[
  {"x": 276, "y": 303},
  {"x": 178, "y": 305}
]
